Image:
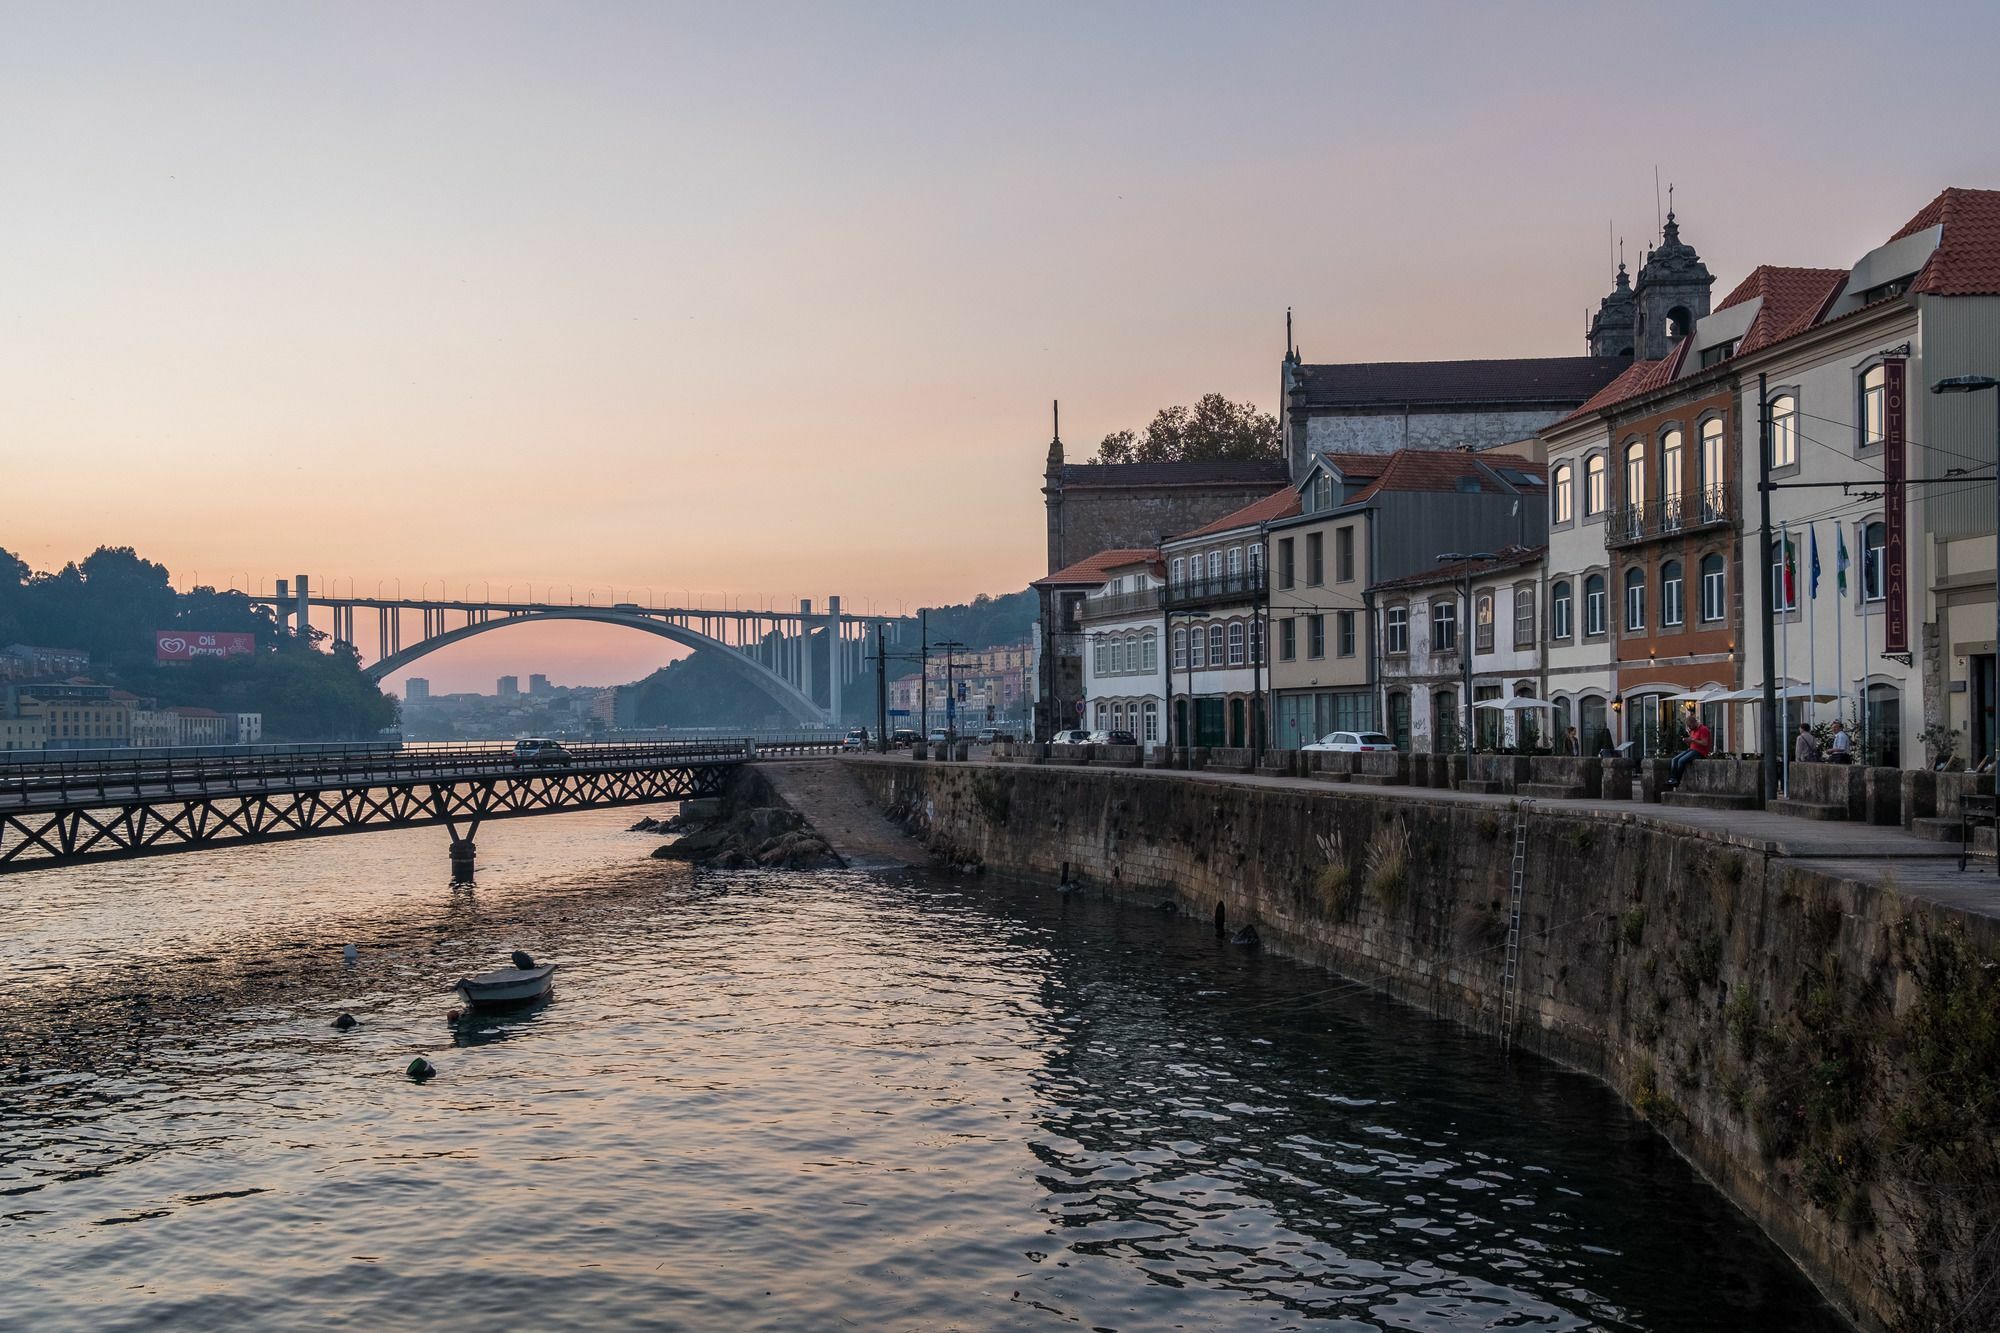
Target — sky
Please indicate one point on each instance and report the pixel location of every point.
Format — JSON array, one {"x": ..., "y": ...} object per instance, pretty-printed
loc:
[{"x": 771, "y": 301}]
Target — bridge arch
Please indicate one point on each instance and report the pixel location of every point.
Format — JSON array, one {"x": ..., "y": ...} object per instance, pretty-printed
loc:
[{"x": 782, "y": 692}]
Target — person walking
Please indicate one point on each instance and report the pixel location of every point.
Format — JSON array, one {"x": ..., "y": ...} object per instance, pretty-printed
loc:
[
  {"x": 1701, "y": 742},
  {"x": 1842, "y": 744},
  {"x": 1806, "y": 750}
]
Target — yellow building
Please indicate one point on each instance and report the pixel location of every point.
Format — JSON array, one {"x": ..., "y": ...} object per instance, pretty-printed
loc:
[{"x": 21, "y": 733}]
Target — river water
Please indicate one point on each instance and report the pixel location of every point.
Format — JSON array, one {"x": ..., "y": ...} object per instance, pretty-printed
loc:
[{"x": 785, "y": 1101}]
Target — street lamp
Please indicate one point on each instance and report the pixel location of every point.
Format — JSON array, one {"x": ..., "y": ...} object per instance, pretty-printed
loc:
[
  {"x": 1465, "y": 630},
  {"x": 1974, "y": 384}
]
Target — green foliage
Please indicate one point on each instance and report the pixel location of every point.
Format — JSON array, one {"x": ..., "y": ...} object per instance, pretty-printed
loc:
[
  {"x": 1741, "y": 1015},
  {"x": 704, "y": 690},
  {"x": 983, "y": 622},
  {"x": 1213, "y": 428},
  {"x": 1699, "y": 964}
]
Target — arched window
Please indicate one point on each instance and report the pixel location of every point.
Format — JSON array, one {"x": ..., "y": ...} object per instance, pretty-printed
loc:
[
  {"x": 1593, "y": 605},
  {"x": 1672, "y": 464},
  {"x": 1235, "y": 561},
  {"x": 1635, "y": 599},
  {"x": 1874, "y": 561},
  {"x": 1714, "y": 594},
  {"x": 1482, "y": 622},
  {"x": 1882, "y": 726},
  {"x": 1149, "y": 652},
  {"x": 1215, "y": 564},
  {"x": 1180, "y": 650},
  {"x": 1784, "y": 574},
  {"x": 1396, "y": 630},
  {"x": 1177, "y": 571},
  {"x": 1103, "y": 717},
  {"x": 1215, "y": 645},
  {"x": 1714, "y": 472},
  {"x": 1198, "y": 648},
  {"x": 1670, "y": 593},
  {"x": 1099, "y": 659},
  {"x": 1256, "y": 554},
  {"x": 1874, "y": 406},
  {"x": 1563, "y": 494},
  {"x": 1152, "y": 731},
  {"x": 1559, "y": 610},
  {"x": 1256, "y": 642},
  {"x": 1593, "y": 485},
  {"x": 1592, "y": 731},
  {"x": 1784, "y": 430},
  {"x": 1444, "y": 626},
  {"x": 1236, "y": 643}
]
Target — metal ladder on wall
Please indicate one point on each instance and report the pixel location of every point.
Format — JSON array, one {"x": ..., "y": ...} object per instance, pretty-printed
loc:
[{"x": 1510, "y": 973}]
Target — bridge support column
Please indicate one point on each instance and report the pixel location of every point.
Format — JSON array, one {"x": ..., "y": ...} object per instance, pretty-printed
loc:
[
  {"x": 304, "y": 607},
  {"x": 806, "y": 647},
  {"x": 464, "y": 860},
  {"x": 284, "y": 611},
  {"x": 836, "y": 659}
]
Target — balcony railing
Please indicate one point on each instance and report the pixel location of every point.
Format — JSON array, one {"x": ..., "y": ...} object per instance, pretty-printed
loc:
[
  {"x": 1245, "y": 585},
  {"x": 1118, "y": 604},
  {"x": 1705, "y": 508}
]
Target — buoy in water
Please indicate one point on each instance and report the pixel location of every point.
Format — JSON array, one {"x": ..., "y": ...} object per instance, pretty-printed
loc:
[
  {"x": 451, "y": 1019},
  {"x": 421, "y": 1069},
  {"x": 346, "y": 1021},
  {"x": 349, "y": 954}
]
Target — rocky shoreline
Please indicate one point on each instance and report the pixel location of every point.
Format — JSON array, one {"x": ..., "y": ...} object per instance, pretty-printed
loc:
[{"x": 714, "y": 836}]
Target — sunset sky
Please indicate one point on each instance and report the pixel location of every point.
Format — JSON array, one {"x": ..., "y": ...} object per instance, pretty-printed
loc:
[{"x": 771, "y": 301}]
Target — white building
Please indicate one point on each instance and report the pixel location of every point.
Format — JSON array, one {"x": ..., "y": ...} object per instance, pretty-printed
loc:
[
  {"x": 1124, "y": 667},
  {"x": 1422, "y": 627},
  {"x": 1216, "y": 607},
  {"x": 249, "y": 728}
]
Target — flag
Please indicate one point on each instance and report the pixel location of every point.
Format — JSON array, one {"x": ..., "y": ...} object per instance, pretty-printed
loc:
[
  {"x": 1788, "y": 559},
  {"x": 1812, "y": 534},
  {"x": 1840, "y": 560}
]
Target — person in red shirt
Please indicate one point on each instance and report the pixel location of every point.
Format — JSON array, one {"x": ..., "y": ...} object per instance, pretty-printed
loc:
[{"x": 1701, "y": 743}]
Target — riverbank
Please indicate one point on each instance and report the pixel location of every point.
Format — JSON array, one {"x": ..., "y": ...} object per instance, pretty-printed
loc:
[{"x": 1818, "y": 1038}]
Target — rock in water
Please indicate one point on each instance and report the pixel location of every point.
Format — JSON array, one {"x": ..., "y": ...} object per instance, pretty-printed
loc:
[
  {"x": 421, "y": 1069},
  {"x": 346, "y": 1021},
  {"x": 1247, "y": 935}
]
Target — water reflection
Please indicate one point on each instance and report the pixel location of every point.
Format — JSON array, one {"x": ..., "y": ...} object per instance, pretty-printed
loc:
[{"x": 766, "y": 1100}]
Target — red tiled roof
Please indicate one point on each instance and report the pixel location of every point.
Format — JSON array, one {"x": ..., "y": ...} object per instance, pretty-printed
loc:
[
  {"x": 1510, "y": 557},
  {"x": 1278, "y": 504},
  {"x": 1967, "y": 260},
  {"x": 1356, "y": 465},
  {"x": 1793, "y": 299},
  {"x": 1094, "y": 569},
  {"x": 1442, "y": 470}
]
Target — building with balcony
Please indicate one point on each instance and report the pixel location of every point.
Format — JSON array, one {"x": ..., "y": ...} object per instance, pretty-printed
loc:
[
  {"x": 1214, "y": 606},
  {"x": 1425, "y": 625},
  {"x": 1059, "y": 686},
  {"x": 1124, "y": 660}
]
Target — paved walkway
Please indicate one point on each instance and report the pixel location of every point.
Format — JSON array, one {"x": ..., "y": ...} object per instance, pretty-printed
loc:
[
  {"x": 833, "y": 802},
  {"x": 1866, "y": 852}
]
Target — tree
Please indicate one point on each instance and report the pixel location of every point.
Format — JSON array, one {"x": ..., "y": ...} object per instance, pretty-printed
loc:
[{"x": 1213, "y": 428}]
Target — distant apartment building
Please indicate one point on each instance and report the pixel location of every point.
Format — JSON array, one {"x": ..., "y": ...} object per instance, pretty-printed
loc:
[
  {"x": 75, "y": 715},
  {"x": 155, "y": 728},
  {"x": 205, "y": 726},
  {"x": 416, "y": 690},
  {"x": 509, "y": 687},
  {"x": 249, "y": 728},
  {"x": 616, "y": 707},
  {"x": 26, "y": 732},
  {"x": 538, "y": 685},
  {"x": 25, "y": 661}
]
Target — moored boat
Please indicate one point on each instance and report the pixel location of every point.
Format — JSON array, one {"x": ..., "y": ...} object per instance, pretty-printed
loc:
[{"x": 507, "y": 986}]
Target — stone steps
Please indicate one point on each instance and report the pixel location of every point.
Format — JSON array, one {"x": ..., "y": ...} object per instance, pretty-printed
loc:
[
  {"x": 1551, "y": 791},
  {"x": 1809, "y": 809},
  {"x": 1483, "y": 786},
  {"x": 1937, "y": 830},
  {"x": 1704, "y": 800}
]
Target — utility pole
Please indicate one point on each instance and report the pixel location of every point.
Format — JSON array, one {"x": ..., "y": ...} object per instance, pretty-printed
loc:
[
  {"x": 923, "y": 671},
  {"x": 881, "y": 694},
  {"x": 1771, "y": 737},
  {"x": 950, "y": 646}
]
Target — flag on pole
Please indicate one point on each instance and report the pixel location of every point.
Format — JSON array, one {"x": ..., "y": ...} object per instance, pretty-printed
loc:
[
  {"x": 1840, "y": 559},
  {"x": 1788, "y": 560},
  {"x": 1812, "y": 536}
]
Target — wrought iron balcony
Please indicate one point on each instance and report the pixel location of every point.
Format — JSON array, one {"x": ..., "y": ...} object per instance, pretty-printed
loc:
[
  {"x": 1119, "y": 605},
  {"x": 1711, "y": 506},
  {"x": 1244, "y": 586}
]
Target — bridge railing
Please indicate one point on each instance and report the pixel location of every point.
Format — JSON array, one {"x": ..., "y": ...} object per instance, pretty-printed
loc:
[{"x": 68, "y": 781}]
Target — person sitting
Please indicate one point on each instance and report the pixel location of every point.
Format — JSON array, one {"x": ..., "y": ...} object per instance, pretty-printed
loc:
[
  {"x": 1701, "y": 742},
  {"x": 1842, "y": 747},
  {"x": 1806, "y": 751}
]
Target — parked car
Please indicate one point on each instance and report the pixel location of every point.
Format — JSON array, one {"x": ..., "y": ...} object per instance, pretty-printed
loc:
[
  {"x": 853, "y": 743},
  {"x": 1113, "y": 738},
  {"x": 904, "y": 737},
  {"x": 1352, "y": 742},
  {"x": 988, "y": 735},
  {"x": 1074, "y": 736},
  {"x": 540, "y": 751}
]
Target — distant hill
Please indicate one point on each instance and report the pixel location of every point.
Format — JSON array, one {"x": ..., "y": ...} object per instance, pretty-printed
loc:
[{"x": 985, "y": 622}]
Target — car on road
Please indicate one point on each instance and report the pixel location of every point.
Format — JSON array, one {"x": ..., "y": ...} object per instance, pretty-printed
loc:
[
  {"x": 540, "y": 751},
  {"x": 939, "y": 736},
  {"x": 1113, "y": 738},
  {"x": 988, "y": 735},
  {"x": 855, "y": 739},
  {"x": 1351, "y": 742},
  {"x": 1074, "y": 736},
  {"x": 904, "y": 737}
]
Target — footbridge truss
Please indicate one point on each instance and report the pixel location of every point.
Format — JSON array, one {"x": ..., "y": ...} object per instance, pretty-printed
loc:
[
  {"x": 805, "y": 660},
  {"x": 54, "y": 813}
]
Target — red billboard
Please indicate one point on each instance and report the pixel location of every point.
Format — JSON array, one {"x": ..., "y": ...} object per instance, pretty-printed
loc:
[{"x": 175, "y": 645}]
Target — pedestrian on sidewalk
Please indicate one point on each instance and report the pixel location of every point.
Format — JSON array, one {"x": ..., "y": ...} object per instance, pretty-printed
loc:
[
  {"x": 1843, "y": 744},
  {"x": 1806, "y": 751},
  {"x": 1701, "y": 742},
  {"x": 1571, "y": 745}
]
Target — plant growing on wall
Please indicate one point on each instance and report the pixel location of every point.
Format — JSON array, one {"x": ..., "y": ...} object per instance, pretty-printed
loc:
[
  {"x": 1388, "y": 863},
  {"x": 1333, "y": 881},
  {"x": 1940, "y": 743}
]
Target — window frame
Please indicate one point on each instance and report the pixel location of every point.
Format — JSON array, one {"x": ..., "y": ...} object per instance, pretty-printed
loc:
[
  {"x": 1784, "y": 429},
  {"x": 1525, "y": 622},
  {"x": 1875, "y": 559},
  {"x": 1344, "y": 638},
  {"x": 1396, "y": 630},
  {"x": 1288, "y": 639},
  {"x": 1596, "y": 605},
  {"x": 1562, "y": 494},
  {"x": 1485, "y": 606},
  {"x": 1316, "y": 637},
  {"x": 1287, "y": 565},
  {"x": 1239, "y": 646},
  {"x": 1596, "y": 484},
  {"x": 1634, "y": 588},
  {"x": 1561, "y": 610},
  {"x": 1343, "y": 554},
  {"x": 1867, "y": 397},
  {"x": 1720, "y": 603},
  {"x": 1315, "y": 560},
  {"x": 1673, "y": 594},
  {"x": 1444, "y": 625}
]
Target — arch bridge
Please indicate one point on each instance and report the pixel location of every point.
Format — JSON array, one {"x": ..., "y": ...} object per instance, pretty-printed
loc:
[{"x": 804, "y": 660}]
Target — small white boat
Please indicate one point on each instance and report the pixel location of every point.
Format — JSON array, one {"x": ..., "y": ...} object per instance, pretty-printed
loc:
[{"x": 507, "y": 986}]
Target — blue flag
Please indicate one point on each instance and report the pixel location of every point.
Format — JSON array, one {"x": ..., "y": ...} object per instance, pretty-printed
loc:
[{"x": 1813, "y": 534}]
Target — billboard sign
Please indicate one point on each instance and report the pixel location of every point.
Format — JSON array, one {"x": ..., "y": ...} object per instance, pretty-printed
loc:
[{"x": 174, "y": 645}]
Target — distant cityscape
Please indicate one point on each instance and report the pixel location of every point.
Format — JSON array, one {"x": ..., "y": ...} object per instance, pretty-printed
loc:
[{"x": 49, "y": 702}]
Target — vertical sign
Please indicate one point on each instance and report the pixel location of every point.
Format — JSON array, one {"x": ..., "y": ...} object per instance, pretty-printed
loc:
[{"x": 1897, "y": 613}]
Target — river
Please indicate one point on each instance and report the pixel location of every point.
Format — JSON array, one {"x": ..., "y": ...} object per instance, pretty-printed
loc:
[{"x": 783, "y": 1101}]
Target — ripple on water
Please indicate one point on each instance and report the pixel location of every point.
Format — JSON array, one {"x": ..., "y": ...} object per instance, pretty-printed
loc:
[{"x": 782, "y": 1101}]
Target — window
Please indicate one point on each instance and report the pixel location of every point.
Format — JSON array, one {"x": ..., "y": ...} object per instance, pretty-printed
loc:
[
  {"x": 1215, "y": 645},
  {"x": 1524, "y": 615},
  {"x": 1635, "y": 599},
  {"x": 1874, "y": 406},
  {"x": 1559, "y": 611},
  {"x": 1670, "y": 593},
  {"x": 1322, "y": 493},
  {"x": 1256, "y": 642},
  {"x": 1285, "y": 562},
  {"x": 1444, "y": 626},
  {"x": 1098, "y": 656},
  {"x": 1593, "y": 605},
  {"x": 1635, "y": 474},
  {"x": 1563, "y": 497},
  {"x": 1215, "y": 564},
  {"x": 1236, "y": 643},
  {"x": 1714, "y": 471},
  {"x": 1152, "y": 731},
  {"x": 1178, "y": 574},
  {"x": 1482, "y": 622},
  {"x": 1197, "y": 649},
  {"x": 1874, "y": 561},
  {"x": 1784, "y": 431},
  {"x": 1784, "y": 574},
  {"x": 1103, "y": 716},
  {"x": 1343, "y": 555},
  {"x": 1344, "y": 627},
  {"x": 1712, "y": 588},
  {"x": 1672, "y": 476},
  {"x": 1593, "y": 485},
  {"x": 1316, "y": 636},
  {"x": 1256, "y": 555},
  {"x": 1315, "y": 560},
  {"x": 1235, "y": 561},
  {"x": 1180, "y": 658},
  {"x": 1149, "y": 652},
  {"x": 1288, "y": 639},
  {"x": 1396, "y": 629}
]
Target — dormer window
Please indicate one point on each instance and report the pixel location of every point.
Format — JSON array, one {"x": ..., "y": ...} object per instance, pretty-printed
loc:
[
  {"x": 1322, "y": 492},
  {"x": 1715, "y": 356}
]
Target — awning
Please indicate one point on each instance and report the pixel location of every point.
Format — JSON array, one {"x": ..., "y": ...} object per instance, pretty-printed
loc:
[{"x": 1518, "y": 704}]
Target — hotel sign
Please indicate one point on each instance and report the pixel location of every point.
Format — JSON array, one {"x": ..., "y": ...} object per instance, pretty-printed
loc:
[{"x": 1895, "y": 558}]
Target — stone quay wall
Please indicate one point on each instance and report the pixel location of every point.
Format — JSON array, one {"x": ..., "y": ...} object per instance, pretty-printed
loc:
[{"x": 1823, "y": 1048}]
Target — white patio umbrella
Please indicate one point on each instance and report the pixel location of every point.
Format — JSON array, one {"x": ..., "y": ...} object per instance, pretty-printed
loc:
[{"x": 1519, "y": 704}]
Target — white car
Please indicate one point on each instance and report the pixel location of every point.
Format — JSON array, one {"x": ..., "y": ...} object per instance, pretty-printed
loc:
[
  {"x": 1352, "y": 742},
  {"x": 1071, "y": 737},
  {"x": 938, "y": 737}
]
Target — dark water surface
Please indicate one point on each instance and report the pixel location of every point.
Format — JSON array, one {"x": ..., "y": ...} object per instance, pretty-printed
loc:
[{"x": 789, "y": 1101}]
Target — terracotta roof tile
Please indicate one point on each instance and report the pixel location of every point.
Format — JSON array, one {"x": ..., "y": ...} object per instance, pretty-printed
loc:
[
  {"x": 1967, "y": 260},
  {"x": 1442, "y": 470},
  {"x": 1094, "y": 569},
  {"x": 1793, "y": 299},
  {"x": 1278, "y": 504},
  {"x": 1510, "y": 557}
]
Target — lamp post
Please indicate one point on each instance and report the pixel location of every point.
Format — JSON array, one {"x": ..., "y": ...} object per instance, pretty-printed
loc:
[
  {"x": 1972, "y": 384},
  {"x": 1465, "y": 640}
]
